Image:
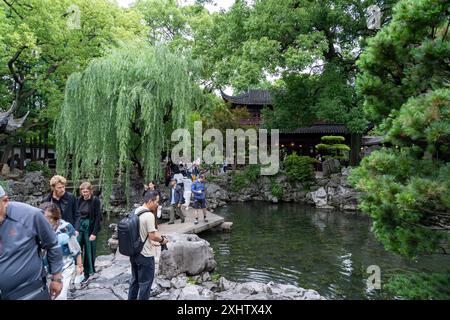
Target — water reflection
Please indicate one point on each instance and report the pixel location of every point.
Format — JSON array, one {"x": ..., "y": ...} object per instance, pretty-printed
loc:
[{"x": 319, "y": 249}]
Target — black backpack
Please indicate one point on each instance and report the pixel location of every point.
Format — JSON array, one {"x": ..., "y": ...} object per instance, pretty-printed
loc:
[{"x": 130, "y": 243}]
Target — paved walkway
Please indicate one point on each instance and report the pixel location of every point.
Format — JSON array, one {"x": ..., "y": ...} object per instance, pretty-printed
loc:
[{"x": 188, "y": 226}]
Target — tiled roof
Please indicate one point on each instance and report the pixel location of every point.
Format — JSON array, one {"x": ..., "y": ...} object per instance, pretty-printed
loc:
[
  {"x": 252, "y": 97},
  {"x": 318, "y": 128}
]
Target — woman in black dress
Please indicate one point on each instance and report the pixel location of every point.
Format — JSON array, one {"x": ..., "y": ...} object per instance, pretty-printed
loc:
[{"x": 89, "y": 207}]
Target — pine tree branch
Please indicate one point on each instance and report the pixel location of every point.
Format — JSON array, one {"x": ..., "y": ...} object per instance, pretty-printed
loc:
[
  {"x": 11, "y": 6},
  {"x": 12, "y": 61}
]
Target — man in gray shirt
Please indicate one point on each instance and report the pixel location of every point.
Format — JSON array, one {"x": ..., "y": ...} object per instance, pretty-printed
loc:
[{"x": 23, "y": 232}]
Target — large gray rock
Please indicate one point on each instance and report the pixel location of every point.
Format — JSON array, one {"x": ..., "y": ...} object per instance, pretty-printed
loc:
[
  {"x": 331, "y": 166},
  {"x": 320, "y": 197},
  {"x": 187, "y": 253},
  {"x": 192, "y": 292}
]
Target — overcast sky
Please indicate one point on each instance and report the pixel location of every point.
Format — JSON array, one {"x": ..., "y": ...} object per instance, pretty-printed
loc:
[{"x": 220, "y": 4}]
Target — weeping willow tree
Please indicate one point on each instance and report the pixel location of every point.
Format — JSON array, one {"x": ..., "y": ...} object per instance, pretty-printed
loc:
[{"x": 116, "y": 110}]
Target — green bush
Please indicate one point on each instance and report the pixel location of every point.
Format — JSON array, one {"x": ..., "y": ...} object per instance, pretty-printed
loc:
[
  {"x": 423, "y": 286},
  {"x": 238, "y": 181},
  {"x": 276, "y": 189},
  {"x": 299, "y": 168},
  {"x": 252, "y": 172},
  {"x": 333, "y": 148},
  {"x": 332, "y": 139},
  {"x": 36, "y": 166},
  {"x": 242, "y": 179}
]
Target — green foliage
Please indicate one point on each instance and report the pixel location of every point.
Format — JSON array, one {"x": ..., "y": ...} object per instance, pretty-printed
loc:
[
  {"x": 36, "y": 166},
  {"x": 332, "y": 139},
  {"x": 420, "y": 286},
  {"x": 402, "y": 193},
  {"x": 190, "y": 280},
  {"x": 276, "y": 189},
  {"x": 405, "y": 85},
  {"x": 242, "y": 179},
  {"x": 215, "y": 277},
  {"x": 299, "y": 168},
  {"x": 283, "y": 39},
  {"x": 48, "y": 49},
  {"x": 124, "y": 101},
  {"x": 333, "y": 149},
  {"x": 4, "y": 185},
  {"x": 303, "y": 99},
  {"x": 406, "y": 57}
]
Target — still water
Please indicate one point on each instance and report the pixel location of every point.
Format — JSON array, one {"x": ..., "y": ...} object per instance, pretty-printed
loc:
[{"x": 327, "y": 251}]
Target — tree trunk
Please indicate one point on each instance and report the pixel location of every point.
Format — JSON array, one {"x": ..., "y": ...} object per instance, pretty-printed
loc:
[
  {"x": 356, "y": 142},
  {"x": 22, "y": 155},
  {"x": 6, "y": 153},
  {"x": 46, "y": 144}
]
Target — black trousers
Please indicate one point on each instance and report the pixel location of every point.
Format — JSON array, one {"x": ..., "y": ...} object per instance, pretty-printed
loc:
[{"x": 142, "y": 274}]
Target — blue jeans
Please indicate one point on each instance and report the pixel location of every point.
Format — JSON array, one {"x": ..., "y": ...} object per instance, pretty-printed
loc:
[{"x": 142, "y": 274}]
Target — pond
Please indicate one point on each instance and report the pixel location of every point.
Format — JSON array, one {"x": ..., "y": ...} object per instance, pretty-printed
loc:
[{"x": 327, "y": 251}]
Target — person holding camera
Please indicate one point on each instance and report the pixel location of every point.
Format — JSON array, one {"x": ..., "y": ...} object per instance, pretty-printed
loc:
[{"x": 143, "y": 265}]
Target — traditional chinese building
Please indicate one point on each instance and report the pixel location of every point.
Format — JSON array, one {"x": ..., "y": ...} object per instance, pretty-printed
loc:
[{"x": 302, "y": 140}]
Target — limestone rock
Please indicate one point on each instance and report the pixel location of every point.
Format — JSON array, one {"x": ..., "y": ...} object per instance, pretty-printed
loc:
[
  {"x": 319, "y": 197},
  {"x": 179, "y": 282},
  {"x": 331, "y": 166},
  {"x": 187, "y": 253},
  {"x": 225, "y": 285}
]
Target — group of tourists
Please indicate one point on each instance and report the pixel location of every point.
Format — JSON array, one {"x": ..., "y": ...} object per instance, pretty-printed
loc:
[
  {"x": 44, "y": 250},
  {"x": 181, "y": 188},
  {"x": 57, "y": 239},
  {"x": 183, "y": 184}
]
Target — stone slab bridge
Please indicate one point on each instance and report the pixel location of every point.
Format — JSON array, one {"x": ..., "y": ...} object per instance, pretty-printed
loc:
[{"x": 188, "y": 226}]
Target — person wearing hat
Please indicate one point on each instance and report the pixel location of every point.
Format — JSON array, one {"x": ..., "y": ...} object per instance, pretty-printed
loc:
[
  {"x": 175, "y": 200},
  {"x": 24, "y": 231}
]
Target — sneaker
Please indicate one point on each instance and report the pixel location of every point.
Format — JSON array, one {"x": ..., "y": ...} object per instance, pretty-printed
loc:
[
  {"x": 85, "y": 281},
  {"x": 171, "y": 222},
  {"x": 204, "y": 218},
  {"x": 196, "y": 221},
  {"x": 182, "y": 220}
]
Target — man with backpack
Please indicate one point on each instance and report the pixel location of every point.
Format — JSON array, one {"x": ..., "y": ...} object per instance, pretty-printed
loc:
[{"x": 138, "y": 246}]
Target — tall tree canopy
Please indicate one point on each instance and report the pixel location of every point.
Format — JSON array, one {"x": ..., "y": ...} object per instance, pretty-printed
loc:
[
  {"x": 405, "y": 85},
  {"x": 42, "y": 42},
  {"x": 310, "y": 46},
  {"x": 115, "y": 111}
]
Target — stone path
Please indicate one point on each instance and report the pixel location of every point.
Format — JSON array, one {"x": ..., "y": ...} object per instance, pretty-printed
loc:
[{"x": 188, "y": 226}]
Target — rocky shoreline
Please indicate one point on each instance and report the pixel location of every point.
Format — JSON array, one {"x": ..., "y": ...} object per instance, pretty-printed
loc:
[
  {"x": 330, "y": 192},
  {"x": 184, "y": 272}
]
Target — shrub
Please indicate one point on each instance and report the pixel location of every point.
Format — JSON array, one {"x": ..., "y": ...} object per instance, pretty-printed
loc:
[
  {"x": 299, "y": 168},
  {"x": 36, "y": 166},
  {"x": 332, "y": 139},
  {"x": 252, "y": 172},
  {"x": 238, "y": 181},
  {"x": 242, "y": 179},
  {"x": 423, "y": 286},
  {"x": 276, "y": 189},
  {"x": 333, "y": 147}
]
